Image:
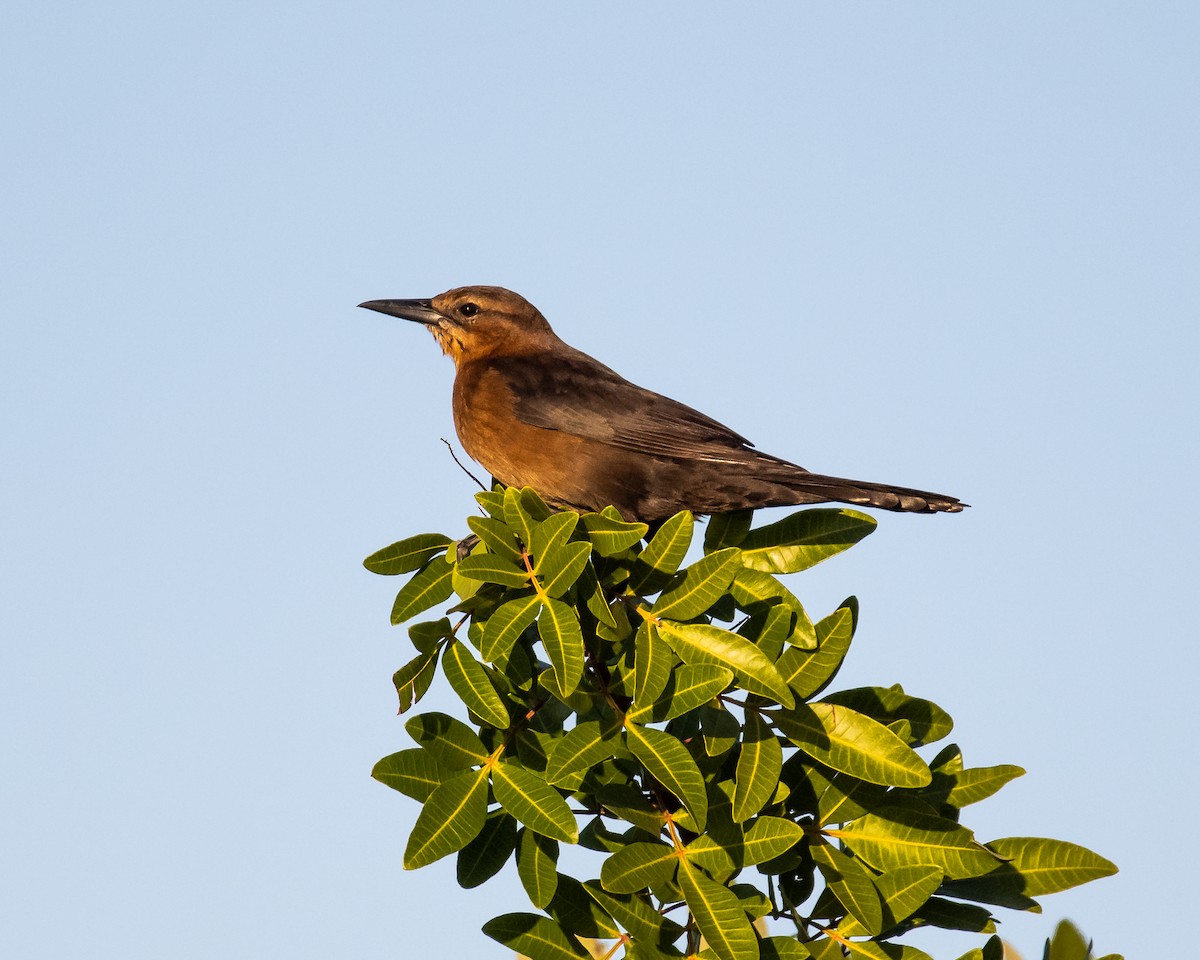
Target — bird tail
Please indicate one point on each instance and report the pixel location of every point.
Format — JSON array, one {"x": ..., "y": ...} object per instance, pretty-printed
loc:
[{"x": 804, "y": 487}]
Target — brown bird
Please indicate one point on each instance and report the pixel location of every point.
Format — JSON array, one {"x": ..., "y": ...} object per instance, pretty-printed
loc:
[{"x": 537, "y": 412}]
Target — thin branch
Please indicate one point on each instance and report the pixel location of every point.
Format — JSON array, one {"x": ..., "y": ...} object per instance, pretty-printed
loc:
[{"x": 460, "y": 464}]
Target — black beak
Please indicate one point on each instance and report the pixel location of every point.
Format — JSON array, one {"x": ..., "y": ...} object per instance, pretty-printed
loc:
[{"x": 419, "y": 311}]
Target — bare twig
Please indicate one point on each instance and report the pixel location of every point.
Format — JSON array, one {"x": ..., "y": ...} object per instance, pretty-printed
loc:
[{"x": 460, "y": 464}]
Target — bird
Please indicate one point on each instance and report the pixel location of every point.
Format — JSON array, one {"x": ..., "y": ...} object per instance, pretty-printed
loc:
[{"x": 536, "y": 412}]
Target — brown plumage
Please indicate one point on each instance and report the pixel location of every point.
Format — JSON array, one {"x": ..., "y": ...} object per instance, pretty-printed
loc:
[{"x": 537, "y": 412}]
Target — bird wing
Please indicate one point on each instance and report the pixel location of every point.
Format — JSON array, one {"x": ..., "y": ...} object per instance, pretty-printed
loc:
[{"x": 576, "y": 394}]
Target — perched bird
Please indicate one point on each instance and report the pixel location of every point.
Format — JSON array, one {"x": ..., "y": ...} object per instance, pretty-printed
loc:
[{"x": 537, "y": 412}]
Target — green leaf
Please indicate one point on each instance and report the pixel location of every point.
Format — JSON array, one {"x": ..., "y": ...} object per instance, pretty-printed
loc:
[
  {"x": 851, "y": 883},
  {"x": 1048, "y": 866},
  {"x": 610, "y": 536},
  {"x": 638, "y": 866},
  {"x": 703, "y": 643},
  {"x": 846, "y": 740},
  {"x": 470, "y": 681},
  {"x": 586, "y": 745},
  {"x": 804, "y": 539},
  {"x": 579, "y": 913},
  {"x": 719, "y": 728},
  {"x": 809, "y": 673},
  {"x": 537, "y": 861},
  {"x": 1068, "y": 944},
  {"x": 897, "y": 836},
  {"x": 413, "y": 679},
  {"x": 951, "y": 915},
  {"x": 538, "y": 938},
  {"x": 904, "y": 890},
  {"x": 979, "y": 783},
  {"x": 492, "y": 501},
  {"x": 992, "y": 950},
  {"x": 698, "y": 587},
  {"x": 533, "y": 802},
  {"x": 497, "y": 537},
  {"x": 755, "y": 591},
  {"x": 451, "y": 818},
  {"x": 523, "y": 511},
  {"x": 629, "y": 803},
  {"x": 782, "y": 948},
  {"x": 450, "y": 742},
  {"x": 483, "y": 857},
  {"x": 668, "y": 761},
  {"x": 727, "y": 530},
  {"x": 552, "y": 532},
  {"x": 505, "y": 625},
  {"x": 414, "y": 772},
  {"x": 758, "y": 768},
  {"x": 652, "y": 662},
  {"x": 408, "y": 554},
  {"x": 558, "y": 626},
  {"x": 927, "y": 720},
  {"x": 768, "y": 838},
  {"x": 691, "y": 685},
  {"x": 663, "y": 554},
  {"x": 490, "y": 568},
  {"x": 719, "y": 915},
  {"x": 642, "y": 921},
  {"x": 560, "y": 566},
  {"x": 431, "y": 586},
  {"x": 425, "y": 636}
]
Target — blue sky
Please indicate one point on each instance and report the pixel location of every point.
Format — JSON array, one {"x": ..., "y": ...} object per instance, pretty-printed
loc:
[{"x": 947, "y": 246}]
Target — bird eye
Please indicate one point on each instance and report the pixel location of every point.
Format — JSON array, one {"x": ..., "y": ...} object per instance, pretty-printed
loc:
[{"x": 469, "y": 309}]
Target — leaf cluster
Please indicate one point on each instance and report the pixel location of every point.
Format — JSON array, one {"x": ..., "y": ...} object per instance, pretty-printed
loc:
[{"x": 673, "y": 719}]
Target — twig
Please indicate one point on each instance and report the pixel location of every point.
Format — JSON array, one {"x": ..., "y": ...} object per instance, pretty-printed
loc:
[{"x": 460, "y": 464}]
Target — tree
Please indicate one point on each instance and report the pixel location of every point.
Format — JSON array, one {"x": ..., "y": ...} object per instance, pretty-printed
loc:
[{"x": 675, "y": 721}]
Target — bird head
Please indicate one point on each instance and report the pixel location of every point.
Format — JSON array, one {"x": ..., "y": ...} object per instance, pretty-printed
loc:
[{"x": 474, "y": 322}]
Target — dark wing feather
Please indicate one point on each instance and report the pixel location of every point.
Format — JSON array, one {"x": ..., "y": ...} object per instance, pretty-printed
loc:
[{"x": 578, "y": 395}]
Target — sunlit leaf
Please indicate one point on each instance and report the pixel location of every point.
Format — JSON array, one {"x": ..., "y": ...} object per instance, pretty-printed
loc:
[
  {"x": 927, "y": 721},
  {"x": 897, "y": 836},
  {"x": 610, "y": 536},
  {"x": 451, "y": 742},
  {"x": 537, "y": 862},
  {"x": 505, "y": 625},
  {"x": 691, "y": 685},
  {"x": 758, "y": 768},
  {"x": 496, "y": 536},
  {"x": 490, "y": 568},
  {"x": 407, "y": 554},
  {"x": 637, "y": 866},
  {"x": 703, "y": 643},
  {"x": 533, "y": 802},
  {"x": 803, "y": 539},
  {"x": 451, "y": 818},
  {"x": 698, "y": 587},
  {"x": 668, "y": 761},
  {"x": 558, "y": 626},
  {"x": 851, "y": 883},
  {"x": 663, "y": 554},
  {"x": 429, "y": 587},
  {"x": 584, "y": 746},
  {"x": 719, "y": 915},
  {"x": 470, "y": 681},
  {"x": 413, "y": 679},
  {"x": 1048, "y": 866},
  {"x": 414, "y": 772},
  {"x": 807, "y": 673},
  {"x": 560, "y": 566},
  {"x": 538, "y": 938},
  {"x": 846, "y": 740}
]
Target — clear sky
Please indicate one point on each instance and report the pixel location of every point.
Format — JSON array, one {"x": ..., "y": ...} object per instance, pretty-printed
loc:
[{"x": 951, "y": 246}]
